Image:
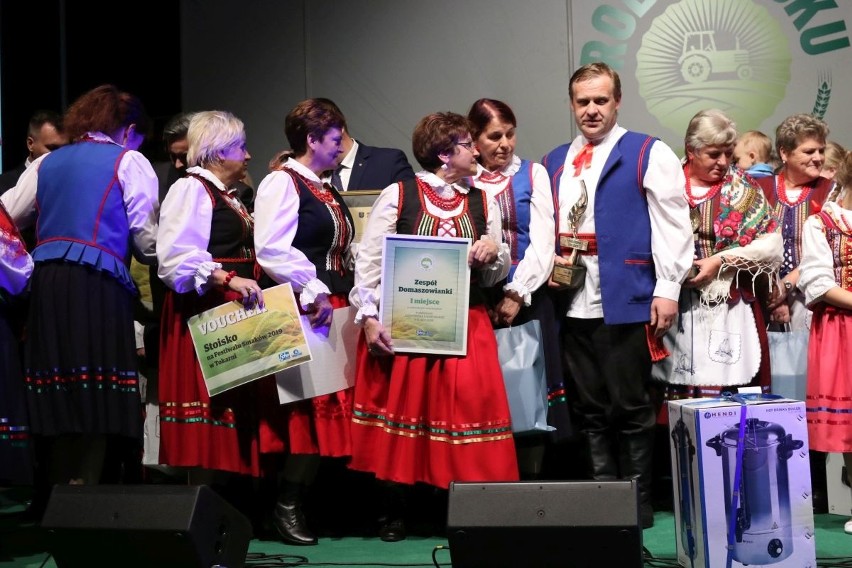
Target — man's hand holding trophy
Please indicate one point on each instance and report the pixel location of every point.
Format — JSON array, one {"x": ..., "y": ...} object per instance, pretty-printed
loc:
[{"x": 568, "y": 273}]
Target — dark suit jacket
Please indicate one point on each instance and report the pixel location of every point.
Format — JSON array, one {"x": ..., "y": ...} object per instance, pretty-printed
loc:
[
  {"x": 9, "y": 179},
  {"x": 377, "y": 168}
]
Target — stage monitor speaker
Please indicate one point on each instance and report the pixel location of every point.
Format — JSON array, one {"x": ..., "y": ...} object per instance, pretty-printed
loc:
[
  {"x": 556, "y": 524},
  {"x": 144, "y": 525}
]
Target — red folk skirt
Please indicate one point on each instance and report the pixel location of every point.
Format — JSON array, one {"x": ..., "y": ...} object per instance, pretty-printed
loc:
[
  {"x": 434, "y": 419},
  {"x": 828, "y": 404},
  {"x": 196, "y": 430},
  {"x": 233, "y": 430},
  {"x": 318, "y": 425}
]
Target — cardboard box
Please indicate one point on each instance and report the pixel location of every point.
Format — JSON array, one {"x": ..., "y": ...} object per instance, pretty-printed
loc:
[
  {"x": 774, "y": 523},
  {"x": 839, "y": 494}
]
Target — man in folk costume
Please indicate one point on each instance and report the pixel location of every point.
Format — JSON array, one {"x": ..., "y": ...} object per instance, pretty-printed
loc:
[{"x": 624, "y": 225}]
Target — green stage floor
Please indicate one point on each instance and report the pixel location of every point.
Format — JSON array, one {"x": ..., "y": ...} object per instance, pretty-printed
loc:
[{"x": 22, "y": 545}]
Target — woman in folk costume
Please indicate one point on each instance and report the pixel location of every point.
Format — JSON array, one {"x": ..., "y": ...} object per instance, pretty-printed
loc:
[
  {"x": 303, "y": 233},
  {"x": 16, "y": 266},
  {"x": 794, "y": 193},
  {"x": 432, "y": 418},
  {"x": 206, "y": 258},
  {"x": 522, "y": 191},
  {"x": 720, "y": 339},
  {"x": 93, "y": 202},
  {"x": 826, "y": 281}
]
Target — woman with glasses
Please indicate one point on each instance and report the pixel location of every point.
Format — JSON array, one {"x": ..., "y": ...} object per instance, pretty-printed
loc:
[{"x": 431, "y": 418}]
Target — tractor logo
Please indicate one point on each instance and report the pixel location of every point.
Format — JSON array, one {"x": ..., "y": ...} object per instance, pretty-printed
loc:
[
  {"x": 701, "y": 58},
  {"x": 725, "y": 54}
]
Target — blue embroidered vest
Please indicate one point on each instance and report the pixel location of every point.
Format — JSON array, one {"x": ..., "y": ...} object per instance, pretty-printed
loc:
[
  {"x": 622, "y": 228},
  {"x": 81, "y": 215}
]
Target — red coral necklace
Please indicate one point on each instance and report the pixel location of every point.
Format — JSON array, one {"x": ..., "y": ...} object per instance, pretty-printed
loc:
[
  {"x": 690, "y": 197},
  {"x": 437, "y": 200},
  {"x": 781, "y": 188}
]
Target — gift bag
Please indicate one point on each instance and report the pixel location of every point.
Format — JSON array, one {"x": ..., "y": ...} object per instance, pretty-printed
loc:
[
  {"x": 788, "y": 359},
  {"x": 522, "y": 360},
  {"x": 151, "y": 440}
]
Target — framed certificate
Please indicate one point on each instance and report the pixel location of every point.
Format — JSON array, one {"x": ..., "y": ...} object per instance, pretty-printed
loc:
[
  {"x": 425, "y": 288},
  {"x": 360, "y": 203},
  {"x": 236, "y": 345}
]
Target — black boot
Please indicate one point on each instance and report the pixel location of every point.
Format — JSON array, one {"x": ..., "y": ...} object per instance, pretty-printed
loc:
[
  {"x": 602, "y": 463},
  {"x": 636, "y": 454},
  {"x": 392, "y": 516},
  {"x": 288, "y": 518}
]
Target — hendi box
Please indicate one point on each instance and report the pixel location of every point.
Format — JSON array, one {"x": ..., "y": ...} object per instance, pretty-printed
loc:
[{"x": 770, "y": 517}]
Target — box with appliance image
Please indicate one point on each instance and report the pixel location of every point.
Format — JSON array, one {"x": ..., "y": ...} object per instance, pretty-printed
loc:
[{"x": 742, "y": 485}]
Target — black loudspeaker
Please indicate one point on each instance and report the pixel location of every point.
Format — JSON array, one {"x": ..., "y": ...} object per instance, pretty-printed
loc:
[
  {"x": 559, "y": 524},
  {"x": 144, "y": 525}
]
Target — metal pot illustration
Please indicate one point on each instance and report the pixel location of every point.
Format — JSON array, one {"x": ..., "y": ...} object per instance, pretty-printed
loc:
[
  {"x": 685, "y": 455},
  {"x": 763, "y": 533}
]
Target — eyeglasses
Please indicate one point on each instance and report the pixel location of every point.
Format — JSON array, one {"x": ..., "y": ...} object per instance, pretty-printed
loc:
[{"x": 466, "y": 145}]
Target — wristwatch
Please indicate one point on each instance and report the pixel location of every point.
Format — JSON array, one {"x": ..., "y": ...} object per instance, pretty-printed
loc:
[{"x": 788, "y": 285}]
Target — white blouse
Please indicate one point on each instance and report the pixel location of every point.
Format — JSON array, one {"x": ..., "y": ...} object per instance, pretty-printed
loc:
[
  {"x": 276, "y": 220},
  {"x": 186, "y": 216},
  {"x": 816, "y": 271},
  {"x": 366, "y": 294},
  {"x": 537, "y": 263}
]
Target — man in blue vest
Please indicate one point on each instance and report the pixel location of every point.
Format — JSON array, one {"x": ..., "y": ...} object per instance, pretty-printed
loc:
[{"x": 622, "y": 206}]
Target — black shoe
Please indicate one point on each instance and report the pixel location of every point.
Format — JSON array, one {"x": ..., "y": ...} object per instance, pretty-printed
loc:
[
  {"x": 291, "y": 526},
  {"x": 392, "y": 530}
]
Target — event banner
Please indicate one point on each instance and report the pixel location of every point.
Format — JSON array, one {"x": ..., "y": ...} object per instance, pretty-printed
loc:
[
  {"x": 236, "y": 345},
  {"x": 757, "y": 60},
  {"x": 425, "y": 286}
]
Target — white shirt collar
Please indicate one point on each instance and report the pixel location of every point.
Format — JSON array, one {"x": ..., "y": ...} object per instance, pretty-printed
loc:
[
  {"x": 293, "y": 164},
  {"x": 101, "y": 137},
  {"x": 349, "y": 160},
  {"x": 511, "y": 168},
  {"x": 209, "y": 176}
]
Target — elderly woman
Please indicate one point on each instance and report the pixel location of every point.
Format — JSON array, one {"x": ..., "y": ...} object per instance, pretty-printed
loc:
[
  {"x": 795, "y": 192},
  {"x": 737, "y": 248},
  {"x": 826, "y": 273},
  {"x": 522, "y": 191},
  {"x": 206, "y": 257},
  {"x": 303, "y": 233},
  {"x": 94, "y": 202},
  {"x": 431, "y": 418}
]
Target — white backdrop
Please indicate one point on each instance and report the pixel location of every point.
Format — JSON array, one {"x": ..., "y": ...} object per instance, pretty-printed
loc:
[{"x": 387, "y": 63}]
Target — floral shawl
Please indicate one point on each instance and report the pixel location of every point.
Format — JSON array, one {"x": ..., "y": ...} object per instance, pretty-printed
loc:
[{"x": 739, "y": 226}]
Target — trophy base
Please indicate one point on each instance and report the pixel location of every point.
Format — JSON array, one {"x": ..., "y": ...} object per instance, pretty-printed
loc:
[{"x": 569, "y": 277}]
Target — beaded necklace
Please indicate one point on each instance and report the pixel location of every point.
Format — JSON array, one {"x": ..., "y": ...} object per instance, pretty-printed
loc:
[
  {"x": 690, "y": 197},
  {"x": 781, "y": 188},
  {"x": 437, "y": 200}
]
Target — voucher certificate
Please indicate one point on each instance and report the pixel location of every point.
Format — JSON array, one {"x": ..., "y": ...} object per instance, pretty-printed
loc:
[
  {"x": 425, "y": 285},
  {"x": 236, "y": 345}
]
